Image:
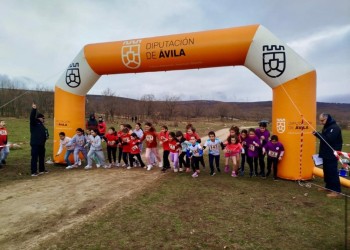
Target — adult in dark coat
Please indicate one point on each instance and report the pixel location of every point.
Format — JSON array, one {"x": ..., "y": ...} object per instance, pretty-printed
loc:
[
  {"x": 330, "y": 140},
  {"x": 38, "y": 136},
  {"x": 92, "y": 123}
]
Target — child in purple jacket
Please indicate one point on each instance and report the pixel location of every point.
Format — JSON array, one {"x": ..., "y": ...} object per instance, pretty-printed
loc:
[
  {"x": 263, "y": 134},
  {"x": 275, "y": 151},
  {"x": 253, "y": 145}
]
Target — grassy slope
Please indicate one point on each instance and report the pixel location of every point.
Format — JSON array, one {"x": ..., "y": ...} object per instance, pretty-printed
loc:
[{"x": 213, "y": 213}]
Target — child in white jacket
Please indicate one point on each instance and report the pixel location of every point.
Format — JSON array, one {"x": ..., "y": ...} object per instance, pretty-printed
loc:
[{"x": 95, "y": 149}]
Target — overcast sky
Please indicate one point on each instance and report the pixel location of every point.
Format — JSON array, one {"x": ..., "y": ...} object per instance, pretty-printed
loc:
[{"x": 39, "y": 38}]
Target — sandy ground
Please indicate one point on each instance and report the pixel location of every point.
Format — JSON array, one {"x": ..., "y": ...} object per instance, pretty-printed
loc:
[{"x": 39, "y": 208}]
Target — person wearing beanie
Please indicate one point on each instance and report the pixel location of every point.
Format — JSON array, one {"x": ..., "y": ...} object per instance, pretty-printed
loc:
[{"x": 38, "y": 136}]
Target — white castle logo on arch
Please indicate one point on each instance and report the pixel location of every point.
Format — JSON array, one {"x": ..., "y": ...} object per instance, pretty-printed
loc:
[
  {"x": 131, "y": 54},
  {"x": 281, "y": 125}
]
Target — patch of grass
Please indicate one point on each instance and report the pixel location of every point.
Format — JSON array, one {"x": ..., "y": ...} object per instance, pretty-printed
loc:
[{"x": 180, "y": 212}]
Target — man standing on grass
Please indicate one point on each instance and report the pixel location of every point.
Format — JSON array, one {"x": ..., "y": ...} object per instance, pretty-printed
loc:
[
  {"x": 38, "y": 136},
  {"x": 330, "y": 139}
]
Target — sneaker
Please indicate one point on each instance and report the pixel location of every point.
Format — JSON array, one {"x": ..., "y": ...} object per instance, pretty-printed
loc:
[
  {"x": 233, "y": 174},
  {"x": 181, "y": 169},
  {"x": 195, "y": 175},
  {"x": 107, "y": 166},
  {"x": 212, "y": 173},
  {"x": 88, "y": 167},
  {"x": 71, "y": 167},
  {"x": 134, "y": 164},
  {"x": 3, "y": 162},
  {"x": 35, "y": 174},
  {"x": 118, "y": 164},
  {"x": 275, "y": 178},
  {"x": 323, "y": 190},
  {"x": 98, "y": 165},
  {"x": 164, "y": 170},
  {"x": 44, "y": 172},
  {"x": 176, "y": 170},
  {"x": 227, "y": 169},
  {"x": 79, "y": 162},
  {"x": 219, "y": 170},
  {"x": 250, "y": 174},
  {"x": 124, "y": 165},
  {"x": 149, "y": 167},
  {"x": 241, "y": 173},
  {"x": 128, "y": 167},
  {"x": 160, "y": 164},
  {"x": 188, "y": 170}
]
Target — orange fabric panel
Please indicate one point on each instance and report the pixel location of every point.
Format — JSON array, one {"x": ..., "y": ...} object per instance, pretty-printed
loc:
[
  {"x": 69, "y": 115},
  {"x": 224, "y": 47},
  {"x": 287, "y": 125}
]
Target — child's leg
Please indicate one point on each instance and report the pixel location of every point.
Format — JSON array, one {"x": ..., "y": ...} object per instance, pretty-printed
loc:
[
  {"x": 196, "y": 163},
  {"x": 131, "y": 160},
  {"x": 269, "y": 165},
  {"x": 156, "y": 153},
  {"x": 261, "y": 162},
  {"x": 89, "y": 157},
  {"x": 250, "y": 163},
  {"x": 109, "y": 154},
  {"x": 120, "y": 154},
  {"x": 211, "y": 164},
  {"x": 138, "y": 156},
  {"x": 100, "y": 157},
  {"x": 114, "y": 154},
  {"x": 201, "y": 160},
  {"x": 125, "y": 158},
  {"x": 182, "y": 159},
  {"x": 217, "y": 162},
  {"x": 227, "y": 168},
  {"x": 66, "y": 157},
  {"x": 255, "y": 159},
  {"x": 193, "y": 164},
  {"x": 76, "y": 156},
  {"x": 275, "y": 168},
  {"x": 148, "y": 156},
  {"x": 243, "y": 158},
  {"x": 166, "y": 163},
  {"x": 176, "y": 160}
]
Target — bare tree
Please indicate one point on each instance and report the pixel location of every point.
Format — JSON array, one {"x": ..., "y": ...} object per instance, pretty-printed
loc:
[
  {"x": 170, "y": 105},
  {"x": 148, "y": 104},
  {"x": 109, "y": 103}
]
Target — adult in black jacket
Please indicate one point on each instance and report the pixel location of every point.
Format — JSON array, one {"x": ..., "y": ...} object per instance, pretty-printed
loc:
[
  {"x": 38, "y": 137},
  {"x": 330, "y": 139}
]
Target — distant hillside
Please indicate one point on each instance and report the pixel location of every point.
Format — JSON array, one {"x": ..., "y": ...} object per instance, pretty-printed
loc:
[{"x": 149, "y": 107}]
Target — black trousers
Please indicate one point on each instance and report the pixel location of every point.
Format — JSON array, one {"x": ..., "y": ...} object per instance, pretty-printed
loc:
[
  {"x": 120, "y": 154},
  {"x": 211, "y": 162},
  {"x": 250, "y": 161},
  {"x": 184, "y": 161},
  {"x": 272, "y": 162},
  {"x": 261, "y": 162},
  {"x": 138, "y": 156},
  {"x": 166, "y": 162},
  {"x": 37, "y": 153},
  {"x": 243, "y": 158},
  {"x": 126, "y": 157},
  {"x": 111, "y": 154},
  {"x": 195, "y": 163},
  {"x": 331, "y": 176}
]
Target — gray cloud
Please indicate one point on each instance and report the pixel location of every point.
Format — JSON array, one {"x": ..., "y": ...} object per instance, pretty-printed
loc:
[{"x": 48, "y": 35}]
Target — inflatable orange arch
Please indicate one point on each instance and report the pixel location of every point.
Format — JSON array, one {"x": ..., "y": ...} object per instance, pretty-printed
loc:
[{"x": 291, "y": 78}]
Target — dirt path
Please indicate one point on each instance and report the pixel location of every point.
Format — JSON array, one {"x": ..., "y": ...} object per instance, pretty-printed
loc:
[{"x": 37, "y": 209}]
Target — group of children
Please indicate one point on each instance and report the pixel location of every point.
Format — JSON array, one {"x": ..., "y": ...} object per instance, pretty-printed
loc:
[{"x": 183, "y": 150}]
